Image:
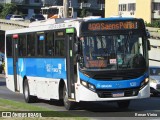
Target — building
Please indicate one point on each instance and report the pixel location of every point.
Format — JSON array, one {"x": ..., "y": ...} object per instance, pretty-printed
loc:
[
  {"x": 90, "y": 7},
  {"x": 27, "y": 7},
  {"x": 149, "y": 10}
]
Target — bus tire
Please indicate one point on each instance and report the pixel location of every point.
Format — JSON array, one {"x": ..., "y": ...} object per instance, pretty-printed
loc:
[
  {"x": 28, "y": 98},
  {"x": 124, "y": 104},
  {"x": 69, "y": 105}
]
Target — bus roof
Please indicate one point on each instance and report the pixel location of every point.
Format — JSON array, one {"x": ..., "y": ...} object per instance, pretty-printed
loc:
[
  {"x": 114, "y": 18},
  {"x": 60, "y": 23}
]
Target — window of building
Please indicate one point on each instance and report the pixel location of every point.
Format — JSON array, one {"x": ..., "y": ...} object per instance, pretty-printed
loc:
[
  {"x": 31, "y": 44},
  {"x": 122, "y": 7},
  {"x": 100, "y": 1},
  {"x": 9, "y": 46},
  {"x": 49, "y": 45},
  {"x": 156, "y": 6},
  {"x": 22, "y": 45},
  {"x": 37, "y": 1},
  {"x": 131, "y": 7},
  {"x": 82, "y": 1}
]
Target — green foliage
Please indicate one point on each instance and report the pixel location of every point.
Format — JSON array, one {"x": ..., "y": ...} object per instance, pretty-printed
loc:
[
  {"x": 8, "y": 9},
  {"x": 1, "y": 7},
  {"x": 155, "y": 24}
]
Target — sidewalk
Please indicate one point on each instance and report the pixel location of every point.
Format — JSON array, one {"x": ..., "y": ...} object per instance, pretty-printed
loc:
[{"x": 2, "y": 76}]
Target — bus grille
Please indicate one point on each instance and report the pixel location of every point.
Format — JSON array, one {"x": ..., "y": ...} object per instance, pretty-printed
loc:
[
  {"x": 120, "y": 75},
  {"x": 109, "y": 93}
]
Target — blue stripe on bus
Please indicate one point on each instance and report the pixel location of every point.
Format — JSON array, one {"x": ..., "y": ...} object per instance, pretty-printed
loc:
[
  {"x": 113, "y": 84},
  {"x": 112, "y": 18},
  {"x": 39, "y": 67}
]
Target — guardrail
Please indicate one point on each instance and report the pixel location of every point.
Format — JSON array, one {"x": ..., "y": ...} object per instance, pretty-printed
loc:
[{"x": 22, "y": 24}]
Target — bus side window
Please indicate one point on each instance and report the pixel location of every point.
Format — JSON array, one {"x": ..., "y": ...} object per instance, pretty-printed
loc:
[
  {"x": 49, "y": 45},
  {"x": 22, "y": 45},
  {"x": 40, "y": 44},
  {"x": 9, "y": 46},
  {"x": 31, "y": 44},
  {"x": 59, "y": 48}
]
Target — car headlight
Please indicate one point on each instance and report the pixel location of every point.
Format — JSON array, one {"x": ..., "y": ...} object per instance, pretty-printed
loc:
[
  {"x": 88, "y": 85},
  {"x": 153, "y": 80}
]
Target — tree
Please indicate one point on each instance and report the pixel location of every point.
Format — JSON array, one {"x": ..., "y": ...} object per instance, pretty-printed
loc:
[
  {"x": 1, "y": 7},
  {"x": 8, "y": 9}
]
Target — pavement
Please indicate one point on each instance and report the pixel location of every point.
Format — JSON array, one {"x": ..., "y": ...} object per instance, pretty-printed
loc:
[{"x": 2, "y": 76}]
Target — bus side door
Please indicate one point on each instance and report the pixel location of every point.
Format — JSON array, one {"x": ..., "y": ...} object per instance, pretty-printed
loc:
[
  {"x": 15, "y": 62},
  {"x": 70, "y": 65}
]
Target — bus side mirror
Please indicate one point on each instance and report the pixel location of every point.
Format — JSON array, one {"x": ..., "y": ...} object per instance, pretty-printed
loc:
[
  {"x": 148, "y": 45},
  {"x": 148, "y": 34}
]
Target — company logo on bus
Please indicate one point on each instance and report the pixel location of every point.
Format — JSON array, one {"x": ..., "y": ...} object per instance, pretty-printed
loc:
[
  {"x": 50, "y": 68},
  {"x": 104, "y": 86},
  {"x": 112, "y": 26}
]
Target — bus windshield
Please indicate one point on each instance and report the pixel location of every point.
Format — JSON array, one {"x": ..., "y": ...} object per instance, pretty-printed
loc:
[{"x": 113, "y": 52}]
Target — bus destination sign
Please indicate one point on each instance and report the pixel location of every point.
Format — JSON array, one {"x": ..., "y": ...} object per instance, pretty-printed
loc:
[{"x": 112, "y": 25}]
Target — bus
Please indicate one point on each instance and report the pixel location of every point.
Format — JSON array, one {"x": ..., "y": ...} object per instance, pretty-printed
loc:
[
  {"x": 77, "y": 60},
  {"x": 52, "y": 12},
  {"x": 2, "y": 39}
]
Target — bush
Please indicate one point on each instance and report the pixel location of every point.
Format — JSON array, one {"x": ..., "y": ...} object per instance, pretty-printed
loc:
[{"x": 155, "y": 24}]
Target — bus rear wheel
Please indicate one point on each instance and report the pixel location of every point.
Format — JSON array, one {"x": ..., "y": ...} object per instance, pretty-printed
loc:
[
  {"x": 124, "y": 104},
  {"x": 69, "y": 105},
  {"x": 28, "y": 98}
]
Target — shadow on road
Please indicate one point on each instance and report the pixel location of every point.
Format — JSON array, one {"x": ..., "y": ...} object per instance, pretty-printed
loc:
[{"x": 2, "y": 83}]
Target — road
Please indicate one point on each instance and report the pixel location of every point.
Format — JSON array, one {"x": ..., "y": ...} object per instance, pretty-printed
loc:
[{"x": 96, "y": 111}]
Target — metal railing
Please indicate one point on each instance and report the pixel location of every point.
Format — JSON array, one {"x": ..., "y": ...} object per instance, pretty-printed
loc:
[{"x": 22, "y": 24}]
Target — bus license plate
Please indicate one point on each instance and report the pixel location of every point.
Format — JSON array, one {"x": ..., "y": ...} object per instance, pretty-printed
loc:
[{"x": 118, "y": 94}]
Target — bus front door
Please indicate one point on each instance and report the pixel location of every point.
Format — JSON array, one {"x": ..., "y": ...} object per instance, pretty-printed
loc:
[
  {"x": 15, "y": 64},
  {"x": 70, "y": 65}
]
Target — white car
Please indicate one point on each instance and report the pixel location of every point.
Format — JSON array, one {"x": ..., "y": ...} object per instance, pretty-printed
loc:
[
  {"x": 154, "y": 72},
  {"x": 17, "y": 18}
]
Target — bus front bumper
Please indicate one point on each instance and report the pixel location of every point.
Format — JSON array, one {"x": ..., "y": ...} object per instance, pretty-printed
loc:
[{"x": 84, "y": 94}]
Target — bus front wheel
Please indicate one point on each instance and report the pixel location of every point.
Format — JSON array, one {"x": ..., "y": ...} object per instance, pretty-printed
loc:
[
  {"x": 28, "y": 98},
  {"x": 69, "y": 105},
  {"x": 124, "y": 104}
]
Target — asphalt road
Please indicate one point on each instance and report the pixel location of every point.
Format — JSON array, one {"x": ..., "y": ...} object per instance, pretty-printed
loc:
[{"x": 96, "y": 110}]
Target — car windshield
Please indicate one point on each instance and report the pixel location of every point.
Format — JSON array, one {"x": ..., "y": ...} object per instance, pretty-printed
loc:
[
  {"x": 113, "y": 52},
  {"x": 155, "y": 71}
]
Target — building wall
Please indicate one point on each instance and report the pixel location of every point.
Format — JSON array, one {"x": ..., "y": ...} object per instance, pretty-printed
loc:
[
  {"x": 143, "y": 10},
  {"x": 111, "y": 8}
]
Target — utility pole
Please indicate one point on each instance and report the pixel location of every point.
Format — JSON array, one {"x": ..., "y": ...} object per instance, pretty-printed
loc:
[{"x": 65, "y": 8}]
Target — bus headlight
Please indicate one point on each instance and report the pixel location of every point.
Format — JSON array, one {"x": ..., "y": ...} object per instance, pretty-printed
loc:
[
  {"x": 91, "y": 87},
  {"x": 144, "y": 82},
  {"x": 84, "y": 83},
  {"x": 88, "y": 85}
]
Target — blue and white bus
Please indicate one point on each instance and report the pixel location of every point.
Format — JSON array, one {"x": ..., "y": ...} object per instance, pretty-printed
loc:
[{"x": 101, "y": 59}]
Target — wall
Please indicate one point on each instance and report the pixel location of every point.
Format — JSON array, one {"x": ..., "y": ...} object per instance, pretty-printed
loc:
[
  {"x": 143, "y": 10},
  {"x": 111, "y": 8}
]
